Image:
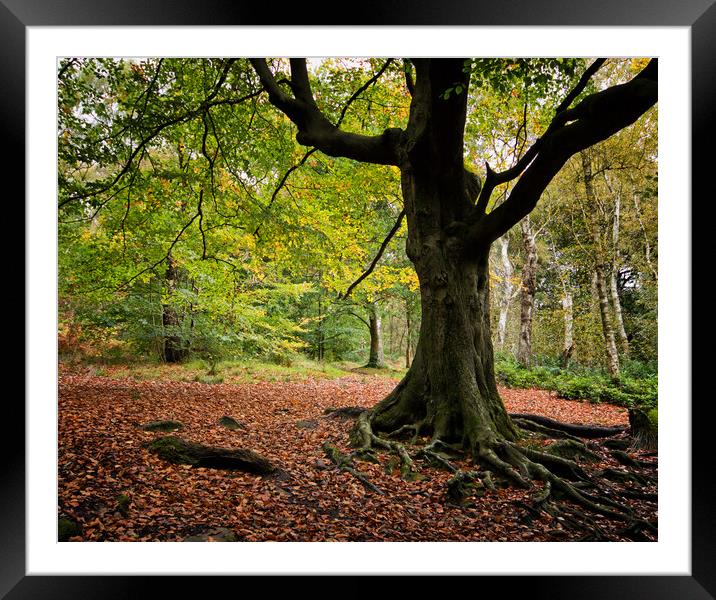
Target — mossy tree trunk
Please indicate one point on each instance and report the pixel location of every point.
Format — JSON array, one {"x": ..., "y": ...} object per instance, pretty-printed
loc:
[{"x": 449, "y": 392}]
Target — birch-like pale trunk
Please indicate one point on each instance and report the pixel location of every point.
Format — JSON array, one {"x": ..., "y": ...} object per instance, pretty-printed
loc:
[
  {"x": 613, "y": 289},
  {"x": 527, "y": 293},
  {"x": 507, "y": 291}
]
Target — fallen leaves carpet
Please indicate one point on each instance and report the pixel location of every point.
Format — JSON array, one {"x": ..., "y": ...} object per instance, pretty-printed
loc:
[{"x": 103, "y": 457}]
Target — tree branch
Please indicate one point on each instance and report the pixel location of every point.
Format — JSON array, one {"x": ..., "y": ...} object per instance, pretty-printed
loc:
[
  {"x": 314, "y": 129},
  {"x": 594, "y": 119},
  {"x": 310, "y": 152},
  {"x": 377, "y": 257},
  {"x": 141, "y": 146},
  {"x": 494, "y": 179}
]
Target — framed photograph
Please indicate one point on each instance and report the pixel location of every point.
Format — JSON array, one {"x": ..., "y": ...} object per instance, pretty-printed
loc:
[{"x": 38, "y": 36}]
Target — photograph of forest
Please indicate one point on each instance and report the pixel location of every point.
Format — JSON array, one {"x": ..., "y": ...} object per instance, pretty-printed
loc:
[{"x": 357, "y": 299}]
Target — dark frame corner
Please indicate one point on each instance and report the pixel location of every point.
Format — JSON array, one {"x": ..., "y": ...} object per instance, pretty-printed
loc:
[{"x": 700, "y": 15}]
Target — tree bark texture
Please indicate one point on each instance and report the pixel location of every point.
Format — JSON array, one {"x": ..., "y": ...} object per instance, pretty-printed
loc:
[
  {"x": 376, "y": 359},
  {"x": 173, "y": 351},
  {"x": 613, "y": 288},
  {"x": 527, "y": 293},
  {"x": 507, "y": 289}
]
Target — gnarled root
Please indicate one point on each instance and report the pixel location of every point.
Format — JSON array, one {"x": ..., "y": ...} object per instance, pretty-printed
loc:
[
  {"x": 564, "y": 489},
  {"x": 345, "y": 463}
]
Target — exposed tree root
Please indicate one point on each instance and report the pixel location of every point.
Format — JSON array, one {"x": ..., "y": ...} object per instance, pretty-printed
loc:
[
  {"x": 545, "y": 431},
  {"x": 582, "y": 431},
  {"x": 568, "y": 493},
  {"x": 345, "y": 463},
  {"x": 178, "y": 451}
]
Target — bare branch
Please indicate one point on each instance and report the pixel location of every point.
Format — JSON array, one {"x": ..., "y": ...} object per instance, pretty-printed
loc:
[
  {"x": 377, "y": 257},
  {"x": 362, "y": 89}
]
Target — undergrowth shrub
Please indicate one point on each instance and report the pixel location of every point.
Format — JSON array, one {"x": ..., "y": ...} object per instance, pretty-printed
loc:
[{"x": 638, "y": 385}]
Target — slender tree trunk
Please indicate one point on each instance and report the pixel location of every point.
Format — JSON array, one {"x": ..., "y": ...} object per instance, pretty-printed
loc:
[
  {"x": 506, "y": 292},
  {"x": 172, "y": 349},
  {"x": 600, "y": 275},
  {"x": 618, "y": 316},
  {"x": 607, "y": 329},
  {"x": 320, "y": 335},
  {"x": 391, "y": 329},
  {"x": 568, "y": 346},
  {"x": 376, "y": 359},
  {"x": 613, "y": 289},
  {"x": 567, "y": 308},
  {"x": 527, "y": 295}
]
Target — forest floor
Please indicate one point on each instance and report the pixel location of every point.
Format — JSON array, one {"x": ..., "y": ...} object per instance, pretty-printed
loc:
[{"x": 116, "y": 490}]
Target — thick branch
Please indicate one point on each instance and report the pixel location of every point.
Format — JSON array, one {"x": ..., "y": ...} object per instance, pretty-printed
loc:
[
  {"x": 494, "y": 179},
  {"x": 314, "y": 129},
  {"x": 594, "y": 119}
]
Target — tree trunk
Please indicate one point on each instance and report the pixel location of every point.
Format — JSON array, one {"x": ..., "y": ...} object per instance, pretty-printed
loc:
[
  {"x": 618, "y": 317},
  {"x": 610, "y": 344},
  {"x": 527, "y": 295},
  {"x": 600, "y": 275},
  {"x": 507, "y": 291},
  {"x": 449, "y": 391},
  {"x": 173, "y": 350},
  {"x": 320, "y": 334},
  {"x": 568, "y": 347},
  {"x": 408, "y": 337},
  {"x": 613, "y": 289},
  {"x": 644, "y": 428},
  {"x": 376, "y": 359}
]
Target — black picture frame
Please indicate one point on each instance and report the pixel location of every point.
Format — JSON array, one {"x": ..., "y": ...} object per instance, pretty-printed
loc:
[{"x": 699, "y": 15}]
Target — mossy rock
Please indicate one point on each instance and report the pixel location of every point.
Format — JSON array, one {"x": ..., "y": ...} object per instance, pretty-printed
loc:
[
  {"x": 178, "y": 451},
  {"x": 123, "y": 502},
  {"x": 163, "y": 426},
  {"x": 67, "y": 528},
  {"x": 231, "y": 423}
]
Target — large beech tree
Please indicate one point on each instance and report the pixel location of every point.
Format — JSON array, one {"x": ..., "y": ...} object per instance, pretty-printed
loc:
[{"x": 449, "y": 393}]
